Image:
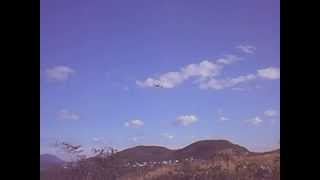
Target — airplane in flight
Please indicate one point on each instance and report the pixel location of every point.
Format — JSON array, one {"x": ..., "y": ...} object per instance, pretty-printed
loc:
[{"x": 158, "y": 85}]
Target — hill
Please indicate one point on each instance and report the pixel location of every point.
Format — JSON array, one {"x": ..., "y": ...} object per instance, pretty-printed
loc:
[
  {"x": 205, "y": 149},
  {"x": 145, "y": 153},
  {"x": 49, "y": 160},
  {"x": 202, "y": 160}
]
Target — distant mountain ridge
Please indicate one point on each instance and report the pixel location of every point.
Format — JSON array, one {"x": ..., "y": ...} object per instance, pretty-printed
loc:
[
  {"x": 204, "y": 149},
  {"x": 206, "y": 159}
]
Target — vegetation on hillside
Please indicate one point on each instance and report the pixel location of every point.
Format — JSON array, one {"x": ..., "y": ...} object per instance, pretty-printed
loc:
[{"x": 224, "y": 165}]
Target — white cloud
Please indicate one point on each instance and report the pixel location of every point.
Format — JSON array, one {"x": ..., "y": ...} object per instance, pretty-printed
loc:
[
  {"x": 205, "y": 74},
  {"x": 134, "y": 123},
  {"x": 68, "y": 115},
  {"x": 171, "y": 79},
  {"x": 247, "y": 49},
  {"x": 225, "y": 83},
  {"x": 149, "y": 82},
  {"x": 255, "y": 121},
  {"x": 59, "y": 73},
  {"x": 241, "y": 79},
  {"x": 168, "y": 136},
  {"x": 222, "y": 118},
  {"x": 271, "y": 113},
  {"x": 186, "y": 120},
  {"x": 204, "y": 69},
  {"x": 228, "y": 59},
  {"x": 269, "y": 73}
]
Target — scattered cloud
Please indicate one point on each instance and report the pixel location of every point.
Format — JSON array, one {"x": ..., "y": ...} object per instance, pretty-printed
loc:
[
  {"x": 167, "y": 80},
  {"x": 168, "y": 136},
  {"x": 247, "y": 49},
  {"x": 225, "y": 83},
  {"x": 59, "y": 73},
  {"x": 171, "y": 79},
  {"x": 255, "y": 121},
  {"x": 222, "y": 118},
  {"x": 206, "y": 72},
  {"x": 269, "y": 73},
  {"x": 68, "y": 115},
  {"x": 134, "y": 123},
  {"x": 271, "y": 113},
  {"x": 228, "y": 59},
  {"x": 186, "y": 120},
  {"x": 204, "y": 69}
]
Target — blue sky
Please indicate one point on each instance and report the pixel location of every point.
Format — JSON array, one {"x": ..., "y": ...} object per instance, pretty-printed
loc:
[{"x": 217, "y": 64}]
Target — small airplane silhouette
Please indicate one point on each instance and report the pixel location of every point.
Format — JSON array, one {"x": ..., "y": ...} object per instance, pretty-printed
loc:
[{"x": 158, "y": 85}]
